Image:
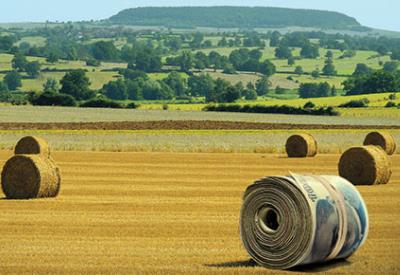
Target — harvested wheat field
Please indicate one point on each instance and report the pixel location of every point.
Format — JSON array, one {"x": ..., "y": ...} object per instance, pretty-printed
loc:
[{"x": 147, "y": 213}]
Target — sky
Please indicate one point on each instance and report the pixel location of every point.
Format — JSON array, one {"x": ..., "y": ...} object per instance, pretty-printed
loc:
[{"x": 381, "y": 14}]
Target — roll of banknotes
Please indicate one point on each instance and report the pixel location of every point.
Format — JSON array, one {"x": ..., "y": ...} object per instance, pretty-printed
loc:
[{"x": 302, "y": 219}]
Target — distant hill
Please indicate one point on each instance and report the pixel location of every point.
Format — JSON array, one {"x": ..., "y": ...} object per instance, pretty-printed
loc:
[{"x": 234, "y": 17}]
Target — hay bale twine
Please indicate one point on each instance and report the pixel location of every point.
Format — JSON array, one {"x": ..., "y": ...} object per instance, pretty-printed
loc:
[
  {"x": 382, "y": 139},
  {"x": 367, "y": 165},
  {"x": 32, "y": 146},
  {"x": 30, "y": 176},
  {"x": 301, "y": 146}
]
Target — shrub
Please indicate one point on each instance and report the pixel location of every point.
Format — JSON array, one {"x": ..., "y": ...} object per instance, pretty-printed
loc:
[
  {"x": 309, "y": 105},
  {"x": 362, "y": 103},
  {"x": 132, "y": 105},
  {"x": 390, "y": 104},
  {"x": 93, "y": 62},
  {"x": 53, "y": 99},
  {"x": 101, "y": 103},
  {"x": 284, "y": 109}
]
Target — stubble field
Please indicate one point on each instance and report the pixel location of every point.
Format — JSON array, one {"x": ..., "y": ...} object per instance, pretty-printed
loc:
[{"x": 146, "y": 213}]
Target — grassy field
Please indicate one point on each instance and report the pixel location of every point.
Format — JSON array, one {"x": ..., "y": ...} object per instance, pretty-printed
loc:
[
  {"x": 38, "y": 41},
  {"x": 157, "y": 213},
  {"x": 60, "y": 114},
  {"x": 344, "y": 66},
  {"x": 204, "y": 141},
  {"x": 97, "y": 77}
]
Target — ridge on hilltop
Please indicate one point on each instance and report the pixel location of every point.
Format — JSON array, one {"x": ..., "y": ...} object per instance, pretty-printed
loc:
[{"x": 234, "y": 17}]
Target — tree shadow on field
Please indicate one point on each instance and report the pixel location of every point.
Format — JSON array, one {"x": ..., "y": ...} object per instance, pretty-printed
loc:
[{"x": 321, "y": 267}]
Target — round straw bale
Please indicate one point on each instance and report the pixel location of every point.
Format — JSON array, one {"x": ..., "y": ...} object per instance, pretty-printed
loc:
[
  {"x": 30, "y": 176},
  {"x": 367, "y": 165},
  {"x": 382, "y": 139},
  {"x": 301, "y": 146},
  {"x": 32, "y": 146}
]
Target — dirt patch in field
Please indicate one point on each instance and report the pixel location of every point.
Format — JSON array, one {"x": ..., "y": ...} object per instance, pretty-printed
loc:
[{"x": 182, "y": 125}]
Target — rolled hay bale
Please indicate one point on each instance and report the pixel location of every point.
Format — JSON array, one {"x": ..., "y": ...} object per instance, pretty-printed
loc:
[
  {"x": 29, "y": 177},
  {"x": 367, "y": 165},
  {"x": 301, "y": 146},
  {"x": 32, "y": 146},
  {"x": 383, "y": 139}
]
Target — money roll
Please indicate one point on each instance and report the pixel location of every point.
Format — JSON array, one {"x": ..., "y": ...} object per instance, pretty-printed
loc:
[{"x": 298, "y": 220}]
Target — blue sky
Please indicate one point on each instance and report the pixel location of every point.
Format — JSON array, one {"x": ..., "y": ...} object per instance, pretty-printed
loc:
[{"x": 380, "y": 14}]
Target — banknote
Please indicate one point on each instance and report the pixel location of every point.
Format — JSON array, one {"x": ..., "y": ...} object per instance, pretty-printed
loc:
[{"x": 302, "y": 219}]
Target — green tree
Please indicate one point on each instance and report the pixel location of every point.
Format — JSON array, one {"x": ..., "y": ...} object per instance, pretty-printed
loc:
[
  {"x": 202, "y": 85},
  {"x": 315, "y": 73},
  {"x": 329, "y": 55},
  {"x": 395, "y": 54},
  {"x": 186, "y": 61},
  {"x": 267, "y": 68},
  {"x": 361, "y": 69},
  {"x": 13, "y": 80},
  {"x": 116, "y": 90},
  {"x": 310, "y": 51},
  {"x": 174, "y": 43},
  {"x": 329, "y": 68},
  {"x": 156, "y": 90},
  {"x": 147, "y": 61},
  {"x": 105, "y": 50},
  {"x": 275, "y": 39},
  {"x": 229, "y": 69},
  {"x": 52, "y": 58},
  {"x": 283, "y": 52},
  {"x": 223, "y": 43},
  {"x": 221, "y": 87},
  {"x": 334, "y": 91},
  {"x": 376, "y": 82},
  {"x": 391, "y": 66},
  {"x": 3, "y": 88},
  {"x": 177, "y": 83},
  {"x": 299, "y": 70},
  {"x": 51, "y": 86},
  {"x": 76, "y": 84},
  {"x": 291, "y": 61},
  {"x": 240, "y": 88},
  {"x": 33, "y": 69},
  {"x": 19, "y": 62},
  {"x": 196, "y": 43},
  {"x": 310, "y": 90},
  {"x": 229, "y": 95},
  {"x": 6, "y": 42},
  {"x": 251, "y": 95},
  {"x": 262, "y": 86}
]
